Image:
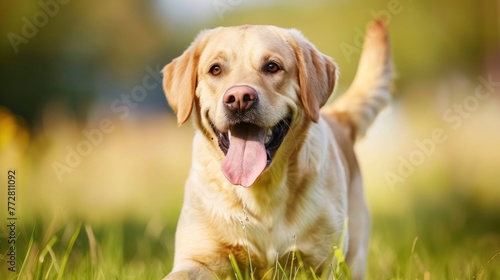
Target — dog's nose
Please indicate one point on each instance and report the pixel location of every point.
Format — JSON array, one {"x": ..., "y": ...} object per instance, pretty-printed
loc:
[{"x": 240, "y": 98}]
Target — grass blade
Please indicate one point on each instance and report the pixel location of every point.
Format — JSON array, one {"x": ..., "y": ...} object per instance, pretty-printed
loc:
[
  {"x": 30, "y": 245},
  {"x": 313, "y": 274},
  {"x": 41, "y": 257},
  {"x": 236, "y": 268},
  {"x": 68, "y": 251}
]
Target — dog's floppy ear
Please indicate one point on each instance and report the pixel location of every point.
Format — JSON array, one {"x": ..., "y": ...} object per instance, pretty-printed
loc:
[
  {"x": 180, "y": 79},
  {"x": 317, "y": 75}
]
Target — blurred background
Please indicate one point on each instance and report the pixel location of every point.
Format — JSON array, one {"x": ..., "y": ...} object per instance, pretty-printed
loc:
[{"x": 101, "y": 162}]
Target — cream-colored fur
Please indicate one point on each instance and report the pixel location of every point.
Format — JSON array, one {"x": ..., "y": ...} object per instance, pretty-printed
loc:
[{"x": 313, "y": 185}]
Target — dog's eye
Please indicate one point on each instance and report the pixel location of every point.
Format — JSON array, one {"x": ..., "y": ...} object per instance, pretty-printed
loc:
[
  {"x": 272, "y": 67},
  {"x": 215, "y": 70}
]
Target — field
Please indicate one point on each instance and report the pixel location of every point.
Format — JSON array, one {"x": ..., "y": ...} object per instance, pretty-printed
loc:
[
  {"x": 96, "y": 194},
  {"x": 114, "y": 215}
]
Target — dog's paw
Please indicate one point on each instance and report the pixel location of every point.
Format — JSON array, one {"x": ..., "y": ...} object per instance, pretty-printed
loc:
[{"x": 197, "y": 273}]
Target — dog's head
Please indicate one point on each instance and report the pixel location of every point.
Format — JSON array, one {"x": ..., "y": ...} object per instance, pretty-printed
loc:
[{"x": 249, "y": 85}]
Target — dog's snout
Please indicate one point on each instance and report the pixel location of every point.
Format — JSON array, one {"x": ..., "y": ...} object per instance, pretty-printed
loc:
[{"x": 240, "y": 98}]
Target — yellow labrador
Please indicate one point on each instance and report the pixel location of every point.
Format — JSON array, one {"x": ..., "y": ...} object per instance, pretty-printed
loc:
[{"x": 271, "y": 172}]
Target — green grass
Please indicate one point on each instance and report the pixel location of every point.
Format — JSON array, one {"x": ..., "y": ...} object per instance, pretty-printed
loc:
[
  {"x": 115, "y": 219},
  {"x": 422, "y": 243},
  {"x": 452, "y": 238},
  {"x": 79, "y": 251}
]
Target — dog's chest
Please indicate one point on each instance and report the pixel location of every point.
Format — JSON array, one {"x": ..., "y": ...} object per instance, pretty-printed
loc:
[
  {"x": 265, "y": 243},
  {"x": 274, "y": 238}
]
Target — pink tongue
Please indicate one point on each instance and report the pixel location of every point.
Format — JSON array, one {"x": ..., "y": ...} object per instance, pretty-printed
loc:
[{"x": 246, "y": 158}]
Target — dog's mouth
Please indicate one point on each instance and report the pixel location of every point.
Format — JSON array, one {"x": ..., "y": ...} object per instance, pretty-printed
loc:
[{"x": 249, "y": 149}]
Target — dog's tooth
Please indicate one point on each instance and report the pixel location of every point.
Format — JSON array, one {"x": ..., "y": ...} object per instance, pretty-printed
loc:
[{"x": 269, "y": 135}]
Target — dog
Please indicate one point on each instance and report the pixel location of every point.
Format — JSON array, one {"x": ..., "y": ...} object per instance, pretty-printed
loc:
[{"x": 273, "y": 173}]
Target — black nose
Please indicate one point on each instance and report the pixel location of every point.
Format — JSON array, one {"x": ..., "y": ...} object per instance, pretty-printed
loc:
[{"x": 240, "y": 98}]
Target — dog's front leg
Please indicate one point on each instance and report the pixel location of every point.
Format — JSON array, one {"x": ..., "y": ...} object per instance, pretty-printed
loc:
[{"x": 192, "y": 270}]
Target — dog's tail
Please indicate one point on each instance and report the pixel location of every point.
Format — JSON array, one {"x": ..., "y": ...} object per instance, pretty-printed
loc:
[{"x": 370, "y": 90}]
